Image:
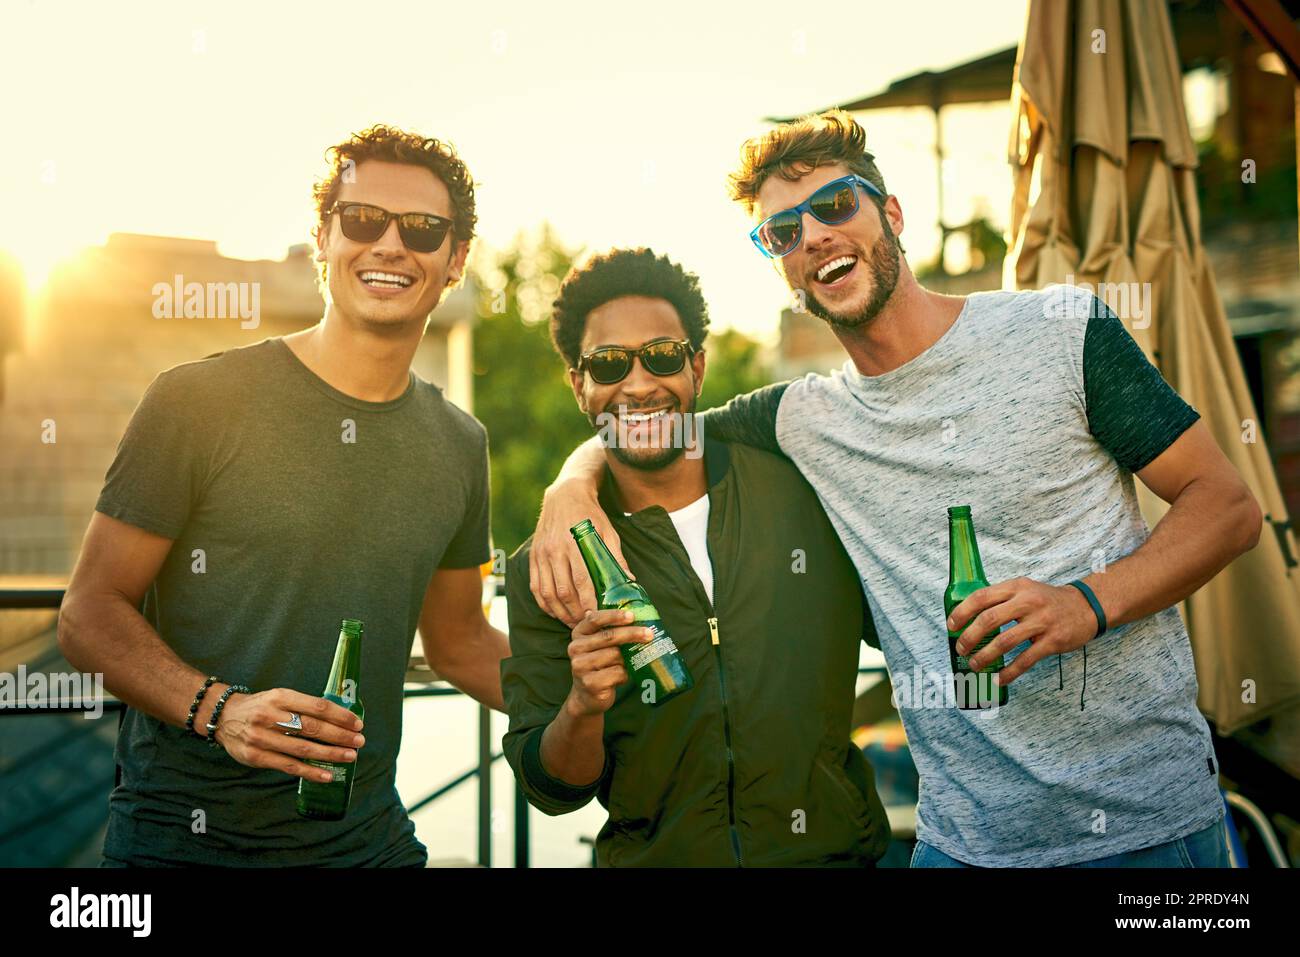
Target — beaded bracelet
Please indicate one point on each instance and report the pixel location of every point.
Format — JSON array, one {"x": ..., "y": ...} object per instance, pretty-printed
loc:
[
  {"x": 216, "y": 712},
  {"x": 194, "y": 705}
]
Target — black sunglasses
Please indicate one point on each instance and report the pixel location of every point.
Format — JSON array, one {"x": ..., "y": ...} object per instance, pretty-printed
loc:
[
  {"x": 364, "y": 223},
  {"x": 610, "y": 364}
]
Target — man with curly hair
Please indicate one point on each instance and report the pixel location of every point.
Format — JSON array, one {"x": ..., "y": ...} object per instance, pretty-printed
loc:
[
  {"x": 263, "y": 494},
  {"x": 753, "y": 766}
]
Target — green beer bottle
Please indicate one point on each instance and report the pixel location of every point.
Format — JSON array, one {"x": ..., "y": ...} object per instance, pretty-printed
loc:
[
  {"x": 657, "y": 660},
  {"x": 329, "y": 801},
  {"x": 965, "y": 577}
]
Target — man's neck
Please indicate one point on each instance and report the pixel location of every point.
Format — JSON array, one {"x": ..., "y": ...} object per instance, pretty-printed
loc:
[
  {"x": 912, "y": 321},
  {"x": 671, "y": 487},
  {"x": 366, "y": 364}
]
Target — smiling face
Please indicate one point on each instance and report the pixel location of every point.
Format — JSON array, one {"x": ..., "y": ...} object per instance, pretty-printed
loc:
[
  {"x": 383, "y": 284},
  {"x": 642, "y": 400},
  {"x": 847, "y": 272}
]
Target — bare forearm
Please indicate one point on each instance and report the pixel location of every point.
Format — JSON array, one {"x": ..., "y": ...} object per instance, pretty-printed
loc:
[
  {"x": 573, "y": 747},
  {"x": 476, "y": 668},
  {"x": 106, "y": 634},
  {"x": 1206, "y": 527},
  {"x": 557, "y": 576}
]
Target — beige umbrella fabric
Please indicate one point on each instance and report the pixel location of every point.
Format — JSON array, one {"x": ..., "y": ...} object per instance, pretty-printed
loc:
[{"x": 1105, "y": 193}]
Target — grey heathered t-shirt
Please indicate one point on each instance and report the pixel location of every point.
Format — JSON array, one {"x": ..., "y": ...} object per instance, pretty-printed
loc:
[
  {"x": 292, "y": 506},
  {"x": 1034, "y": 408}
]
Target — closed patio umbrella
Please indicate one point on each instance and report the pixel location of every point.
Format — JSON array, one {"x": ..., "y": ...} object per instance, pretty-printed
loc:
[{"x": 1105, "y": 193}]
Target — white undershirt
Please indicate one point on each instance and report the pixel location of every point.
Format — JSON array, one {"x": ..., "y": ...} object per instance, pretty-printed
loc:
[{"x": 692, "y": 524}]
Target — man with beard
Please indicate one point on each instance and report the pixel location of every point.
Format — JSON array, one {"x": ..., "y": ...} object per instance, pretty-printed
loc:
[
  {"x": 1037, "y": 409},
  {"x": 752, "y": 766}
]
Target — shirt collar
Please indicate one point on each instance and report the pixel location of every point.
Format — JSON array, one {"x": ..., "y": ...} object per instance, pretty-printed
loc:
[{"x": 717, "y": 463}]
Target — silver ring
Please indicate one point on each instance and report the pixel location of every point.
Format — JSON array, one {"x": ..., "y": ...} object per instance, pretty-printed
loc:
[{"x": 293, "y": 725}]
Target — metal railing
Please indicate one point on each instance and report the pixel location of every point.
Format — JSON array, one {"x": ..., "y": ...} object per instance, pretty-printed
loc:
[{"x": 50, "y": 598}]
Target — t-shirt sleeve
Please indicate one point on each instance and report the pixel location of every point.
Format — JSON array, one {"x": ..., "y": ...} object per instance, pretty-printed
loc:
[
  {"x": 1132, "y": 411},
  {"x": 535, "y": 680},
  {"x": 157, "y": 473},
  {"x": 748, "y": 419},
  {"x": 472, "y": 543}
]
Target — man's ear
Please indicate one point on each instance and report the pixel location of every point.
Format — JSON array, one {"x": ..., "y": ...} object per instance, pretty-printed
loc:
[
  {"x": 697, "y": 366},
  {"x": 456, "y": 266},
  {"x": 894, "y": 212},
  {"x": 575, "y": 383},
  {"x": 321, "y": 231}
]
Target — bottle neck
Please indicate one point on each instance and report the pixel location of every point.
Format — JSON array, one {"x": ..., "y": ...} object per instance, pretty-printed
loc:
[
  {"x": 346, "y": 667},
  {"x": 605, "y": 572},
  {"x": 964, "y": 563}
]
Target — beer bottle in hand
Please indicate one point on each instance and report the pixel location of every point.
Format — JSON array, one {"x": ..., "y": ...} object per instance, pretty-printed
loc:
[
  {"x": 328, "y": 801},
  {"x": 965, "y": 577},
  {"x": 657, "y": 660}
]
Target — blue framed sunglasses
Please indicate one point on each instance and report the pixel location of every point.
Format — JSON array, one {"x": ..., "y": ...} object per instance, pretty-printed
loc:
[{"x": 835, "y": 203}]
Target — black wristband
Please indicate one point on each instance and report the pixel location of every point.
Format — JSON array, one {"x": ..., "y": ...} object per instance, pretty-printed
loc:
[
  {"x": 1096, "y": 606},
  {"x": 194, "y": 705},
  {"x": 216, "y": 712}
]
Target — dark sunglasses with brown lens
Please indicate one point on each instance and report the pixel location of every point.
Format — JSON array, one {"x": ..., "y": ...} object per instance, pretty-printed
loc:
[
  {"x": 610, "y": 364},
  {"x": 365, "y": 223}
]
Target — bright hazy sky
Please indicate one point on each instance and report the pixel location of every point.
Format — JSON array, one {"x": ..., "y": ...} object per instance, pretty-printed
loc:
[{"x": 616, "y": 125}]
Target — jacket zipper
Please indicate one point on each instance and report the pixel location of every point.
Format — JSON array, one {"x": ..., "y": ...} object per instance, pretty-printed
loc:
[
  {"x": 726, "y": 736},
  {"x": 726, "y": 715}
]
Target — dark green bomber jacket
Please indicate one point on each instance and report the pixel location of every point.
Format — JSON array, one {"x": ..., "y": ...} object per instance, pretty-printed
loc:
[{"x": 753, "y": 766}]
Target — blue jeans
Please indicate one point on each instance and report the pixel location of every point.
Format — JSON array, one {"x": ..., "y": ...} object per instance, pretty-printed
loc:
[{"x": 1207, "y": 848}]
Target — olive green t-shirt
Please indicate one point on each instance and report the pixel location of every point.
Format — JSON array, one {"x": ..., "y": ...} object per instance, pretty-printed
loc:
[{"x": 292, "y": 506}]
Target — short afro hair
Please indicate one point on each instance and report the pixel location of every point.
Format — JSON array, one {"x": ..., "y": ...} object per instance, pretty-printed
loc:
[{"x": 625, "y": 272}]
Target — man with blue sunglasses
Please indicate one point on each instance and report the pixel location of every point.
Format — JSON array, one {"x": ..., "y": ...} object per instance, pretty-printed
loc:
[{"x": 1037, "y": 408}]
